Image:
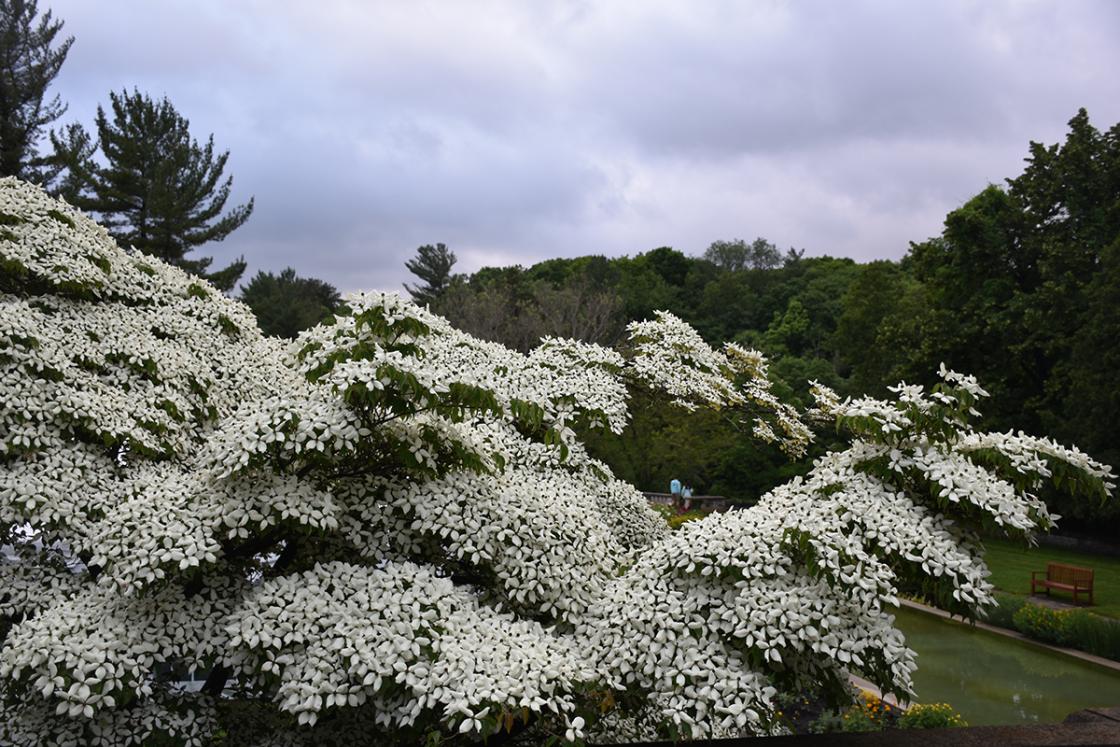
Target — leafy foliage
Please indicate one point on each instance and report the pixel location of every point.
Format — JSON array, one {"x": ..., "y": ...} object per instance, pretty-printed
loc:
[
  {"x": 390, "y": 528},
  {"x": 738, "y": 255},
  {"x": 519, "y": 308},
  {"x": 1021, "y": 289},
  {"x": 285, "y": 304}
]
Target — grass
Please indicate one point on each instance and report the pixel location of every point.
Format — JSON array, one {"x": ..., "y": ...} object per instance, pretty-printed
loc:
[{"x": 1011, "y": 565}]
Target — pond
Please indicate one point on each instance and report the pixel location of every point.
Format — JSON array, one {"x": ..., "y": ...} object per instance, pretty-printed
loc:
[{"x": 990, "y": 679}]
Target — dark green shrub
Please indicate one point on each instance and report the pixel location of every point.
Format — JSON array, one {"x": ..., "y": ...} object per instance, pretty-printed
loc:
[
  {"x": 828, "y": 723},
  {"x": 1004, "y": 610},
  {"x": 930, "y": 716},
  {"x": 1093, "y": 634}
]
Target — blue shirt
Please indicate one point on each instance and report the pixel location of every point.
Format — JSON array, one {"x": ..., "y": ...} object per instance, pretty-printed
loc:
[{"x": 675, "y": 487}]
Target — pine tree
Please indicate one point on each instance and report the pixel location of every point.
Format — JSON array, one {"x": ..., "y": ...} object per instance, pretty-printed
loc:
[
  {"x": 159, "y": 191},
  {"x": 28, "y": 64},
  {"x": 432, "y": 264}
]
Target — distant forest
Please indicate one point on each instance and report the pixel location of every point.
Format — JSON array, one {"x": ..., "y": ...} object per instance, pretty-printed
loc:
[{"x": 1021, "y": 289}]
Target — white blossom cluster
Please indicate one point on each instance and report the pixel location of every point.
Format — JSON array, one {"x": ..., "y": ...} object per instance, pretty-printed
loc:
[
  {"x": 135, "y": 367},
  {"x": 804, "y": 580},
  {"x": 289, "y": 427},
  {"x": 929, "y": 437},
  {"x": 565, "y": 377},
  {"x": 670, "y": 356},
  {"x": 33, "y": 578},
  {"x": 162, "y": 718},
  {"x": 99, "y": 648},
  {"x": 673, "y": 357},
  {"x": 1034, "y": 456},
  {"x": 113, "y": 371},
  {"x": 743, "y": 605},
  {"x": 543, "y": 554},
  {"x": 390, "y": 528},
  {"x": 408, "y": 642}
]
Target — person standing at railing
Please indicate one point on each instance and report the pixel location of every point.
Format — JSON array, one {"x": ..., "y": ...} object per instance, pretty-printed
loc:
[{"x": 675, "y": 490}]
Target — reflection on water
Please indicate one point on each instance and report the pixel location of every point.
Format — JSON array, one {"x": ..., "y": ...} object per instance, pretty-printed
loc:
[{"x": 990, "y": 679}]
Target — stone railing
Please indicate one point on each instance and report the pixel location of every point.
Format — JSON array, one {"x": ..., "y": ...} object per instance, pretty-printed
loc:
[{"x": 699, "y": 502}]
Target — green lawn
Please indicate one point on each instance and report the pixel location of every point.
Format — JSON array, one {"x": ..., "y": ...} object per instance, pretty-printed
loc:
[{"x": 1011, "y": 565}]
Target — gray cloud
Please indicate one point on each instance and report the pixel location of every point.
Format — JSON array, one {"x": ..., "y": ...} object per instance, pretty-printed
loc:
[{"x": 519, "y": 131}]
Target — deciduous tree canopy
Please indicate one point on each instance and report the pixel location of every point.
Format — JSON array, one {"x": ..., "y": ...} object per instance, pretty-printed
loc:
[
  {"x": 737, "y": 255},
  {"x": 285, "y": 304}
]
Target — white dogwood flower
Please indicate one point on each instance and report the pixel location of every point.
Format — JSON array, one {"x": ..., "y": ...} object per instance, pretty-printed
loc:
[{"x": 391, "y": 528}]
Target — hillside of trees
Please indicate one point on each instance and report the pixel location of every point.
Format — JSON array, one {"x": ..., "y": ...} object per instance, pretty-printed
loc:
[{"x": 1022, "y": 289}]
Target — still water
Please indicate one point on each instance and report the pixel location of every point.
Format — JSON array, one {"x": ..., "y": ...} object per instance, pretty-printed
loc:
[{"x": 990, "y": 679}]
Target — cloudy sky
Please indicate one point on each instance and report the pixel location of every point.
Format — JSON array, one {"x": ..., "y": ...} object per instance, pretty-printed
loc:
[{"x": 517, "y": 131}]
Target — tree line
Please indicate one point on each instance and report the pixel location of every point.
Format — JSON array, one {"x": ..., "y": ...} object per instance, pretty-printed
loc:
[{"x": 1021, "y": 289}]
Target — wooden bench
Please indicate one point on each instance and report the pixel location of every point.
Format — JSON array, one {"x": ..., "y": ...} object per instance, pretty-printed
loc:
[{"x": 1065, "y": 577}]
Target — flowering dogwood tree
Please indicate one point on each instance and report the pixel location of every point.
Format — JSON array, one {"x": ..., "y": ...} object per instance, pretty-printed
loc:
[{"x": 389, "y": 532}]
